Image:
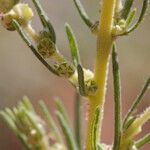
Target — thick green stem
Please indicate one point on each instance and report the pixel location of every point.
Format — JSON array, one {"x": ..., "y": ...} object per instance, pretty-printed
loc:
[{"x": 104, "y": 43}]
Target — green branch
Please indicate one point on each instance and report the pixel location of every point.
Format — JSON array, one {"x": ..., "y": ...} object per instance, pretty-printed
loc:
[{"x": 25, "y": 39}]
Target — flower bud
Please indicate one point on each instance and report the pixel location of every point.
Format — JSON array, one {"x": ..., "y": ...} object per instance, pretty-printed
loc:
[
  {"x": 20, "y": 12},
  {"x": 45, "y": 45},
  {"x": 64, "y": 69},
  {"x": 7, "y": 5},
  {"x": 122, "y": 23},
  {"x": 90, "y": 86},
  {"x": 117, "y": 30},
  {"x": 45, "y": 34}
]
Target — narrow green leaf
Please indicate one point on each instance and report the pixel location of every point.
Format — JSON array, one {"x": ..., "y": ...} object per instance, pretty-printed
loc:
[
  {"x": 70, "y": 141},
  {"x": 10, "y": 114},
  {"x": 60, "y": 107},
  {"x": 145, "y": 140},
  {"x": 83, "y": 13},
  {"x": 9, "y": 121},
  {"x": 34, "y": 123},
  {"x": 44, "y": 19},
  {"x": 126, "y": 9},
  {"x": 130, "y": 17},
  {"x": 117, "y": 98},
  {"x": 129, "y": 122},
  {"x": 50, "y": 121},
  {"x": 73, "y": 45},
  {"x": 27, "y": 103},
  {"x": 137, "y": 101},
  {"x": 25, "y": 39},
  {"x": 95, "y": 129},
  {"x": 81, "y": 80},
  {"x": 142, "y": 14},
  {"x": 78, "y": 119}
]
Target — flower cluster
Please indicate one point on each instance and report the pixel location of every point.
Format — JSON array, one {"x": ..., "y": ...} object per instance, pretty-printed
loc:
[
  {"x": 124, "y": 18},
  {"x": 116, "y": 20},
  {"x": 27, "y": 125},
  {"x": 18, "y": 16}
]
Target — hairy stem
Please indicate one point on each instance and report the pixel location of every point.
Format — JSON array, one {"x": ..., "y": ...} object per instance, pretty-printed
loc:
[
  {"x": 31, "y": 32},
  {"x": 104, "y": 43}
]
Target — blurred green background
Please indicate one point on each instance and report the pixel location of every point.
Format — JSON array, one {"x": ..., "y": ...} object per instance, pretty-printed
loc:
[{"x": 22, "y": 74}]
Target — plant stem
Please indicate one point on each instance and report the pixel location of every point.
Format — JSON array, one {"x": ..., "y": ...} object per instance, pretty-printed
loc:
[
  {"x": 31, "y": 32},
  {"x": 104, "y": 43}
]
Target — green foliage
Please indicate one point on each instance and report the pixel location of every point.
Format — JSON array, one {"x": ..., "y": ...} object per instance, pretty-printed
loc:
[
  {"x": 44, "y": 19},
  {"x": 29, "y": 127},
  {"x": 81, "y": 80},
  {"x": 127, "y": 15},
  {"x": 137, "y": 101},
  {"x": 77, "y": 111},
  {"x": 73, "y": 45},
  {"x": 29, "y": 44},
  {"x": 141, "y": 17},
  {"x": 126, "y": 9},
  {"x": 117, "y": 99},
  {"x": 82, "y": 13},
  {"x": 66, "y": 131},
  {"x": 143, "y": 141},
  {"x": 48, "y": 118}
]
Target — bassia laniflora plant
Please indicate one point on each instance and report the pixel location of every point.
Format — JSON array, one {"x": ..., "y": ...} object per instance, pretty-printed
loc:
[{"x": 117, "y": 19}]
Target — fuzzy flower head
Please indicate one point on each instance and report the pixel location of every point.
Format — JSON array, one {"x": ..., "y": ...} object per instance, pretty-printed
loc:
[{"x": 22, "y": 13}]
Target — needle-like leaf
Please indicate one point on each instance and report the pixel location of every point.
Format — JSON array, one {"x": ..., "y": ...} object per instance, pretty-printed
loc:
[
  {"x": 137, "y": 101},
  {"x": 129, "y": 122},
  {"x": 60, "y": 107},
  {"x": 81, "y": 80},
  {"x": 10, "y": 113},
  {"x": 67, "y": 131},
  {"x": 83, "y": 13},
  {"x": 130, "y": 17},
  {"x": 27, "y": 103},
  {"x": 126, "y": 9},
  {"x": 95, "y": 129},
  {"x": 143, "y": 141},
  {"x": 78, "y": 119},
  {"x": 50, "y": 121},
  {"x": 10, "y": 122},
  {"x": 117, "y": 98},
  {"x": 44, "y": 19},
  {"x": 33, "y": 121},
  {"x": 142, "y": 15},
  {"x": 73, "y": 45},
  {"x": 25, "y": 39}
]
